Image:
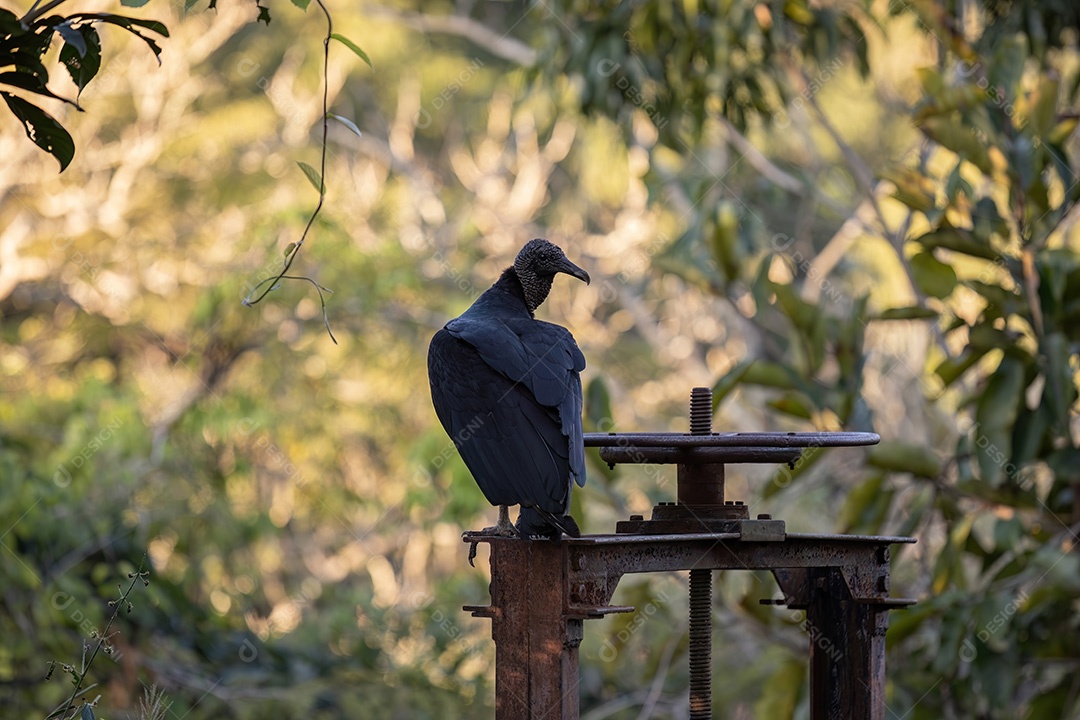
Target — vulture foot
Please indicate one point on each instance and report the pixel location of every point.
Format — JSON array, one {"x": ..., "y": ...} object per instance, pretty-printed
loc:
[{"x": 503, "y": 528}]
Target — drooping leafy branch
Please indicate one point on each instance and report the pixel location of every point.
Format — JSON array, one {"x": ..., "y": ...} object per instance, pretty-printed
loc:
[
  {"x": 292, "y": 250},
  {"x": 23, "y": 44}
]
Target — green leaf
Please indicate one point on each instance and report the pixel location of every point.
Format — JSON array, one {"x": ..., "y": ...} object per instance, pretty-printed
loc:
[
  {"x": 725, "y": 239},
  {"x": 302, "y": 4},
  {"x": 987, "y": 222},
  {"x": 1007, "y": 533},
  {"x": 913, "y": 188},
  {"x": 729, "y": 382},
  {"x": 1059, "y": 393},
  {"x": 289, "y": 249},
  {"x": 1028, "y": 434},
  {"x": 780, "y": 695},
  {"x": 952, "y": 368},
  {"x": 902, "y": 457},
  {"x": 598, "y": 405},
  {"x": 793, "y": 403},
  {"x": 786, "y": 475},
  {"x": 867, "y": 506},
  {"x": 83, "y": 67},
  {"x": 354, "y": 47},
  {"x": 995, "y": 416},
  {"x": 42, "y": 129},
  {"x": 1042, "y": 106},
  {"x": 933, "y": 277},
  {"x": 770, "y": 374},
  {"x": 958, "y": 241},
  {"x": 955, "y": 136},
  {"x": 347, "y": 123},
  {"x": 313, "y": 176},
  {"x": 133, "y": 3},
  {"x": 1006, "y": 68},
  {"x": 913, "y": 312},
  {"x": 1062, "y": 130},
  {"x": 31, "y": 83},
  {"x": 73, "y": 37},
  {"x": 129, "y": 24}
]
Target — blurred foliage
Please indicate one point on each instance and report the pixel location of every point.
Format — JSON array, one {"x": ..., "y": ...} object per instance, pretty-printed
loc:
[{"x": 841, "y": 216}]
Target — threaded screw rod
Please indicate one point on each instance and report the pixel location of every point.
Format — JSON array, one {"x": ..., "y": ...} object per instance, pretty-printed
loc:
[{"x": 700, "y": 589}]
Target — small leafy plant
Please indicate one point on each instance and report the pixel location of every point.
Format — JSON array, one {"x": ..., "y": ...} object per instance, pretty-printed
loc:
[{"x": 68, "y": 708}]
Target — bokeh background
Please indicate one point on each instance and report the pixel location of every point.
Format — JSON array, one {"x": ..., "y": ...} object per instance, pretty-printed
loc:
[{"x": 840, "y": 215}]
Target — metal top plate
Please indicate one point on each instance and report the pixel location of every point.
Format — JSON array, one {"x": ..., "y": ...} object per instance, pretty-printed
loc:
[{"x": 734, "y": 439}]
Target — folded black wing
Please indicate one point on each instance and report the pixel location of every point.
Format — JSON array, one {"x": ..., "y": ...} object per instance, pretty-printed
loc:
[{"x": 508, "y": 392}]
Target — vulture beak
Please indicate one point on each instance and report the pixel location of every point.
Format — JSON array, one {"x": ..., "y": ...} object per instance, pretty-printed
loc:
[{"x": 571, "y": 269}]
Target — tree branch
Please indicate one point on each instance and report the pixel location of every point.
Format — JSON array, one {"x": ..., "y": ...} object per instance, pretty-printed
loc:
[{"x": 463, "y": 27}]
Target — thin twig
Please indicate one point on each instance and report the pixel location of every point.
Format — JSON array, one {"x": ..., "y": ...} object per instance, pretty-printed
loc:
[
  {"x": 283, "y": 275},
  {"x": 34, "y": 12}
]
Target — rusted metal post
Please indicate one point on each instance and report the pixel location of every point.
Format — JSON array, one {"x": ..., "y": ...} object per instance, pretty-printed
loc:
[
  {"x": 847, "y": 651},
  {"x": 536, "y": 645}
]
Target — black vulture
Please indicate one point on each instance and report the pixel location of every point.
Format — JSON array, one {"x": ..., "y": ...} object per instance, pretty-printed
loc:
[{"x": 507, "y": 390}]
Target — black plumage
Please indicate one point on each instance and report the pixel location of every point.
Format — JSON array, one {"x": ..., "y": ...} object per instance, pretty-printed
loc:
[{"x": 507, "y": 390}]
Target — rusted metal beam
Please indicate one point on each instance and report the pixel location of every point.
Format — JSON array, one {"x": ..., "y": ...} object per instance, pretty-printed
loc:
[{"x": 541, "y": 592}]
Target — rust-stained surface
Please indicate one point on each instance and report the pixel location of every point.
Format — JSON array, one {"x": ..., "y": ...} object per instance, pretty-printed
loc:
[{"x": 541, "y": 592}]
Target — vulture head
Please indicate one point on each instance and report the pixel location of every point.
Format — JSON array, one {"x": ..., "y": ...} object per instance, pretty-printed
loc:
[{"x": 536, "y": 266}]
